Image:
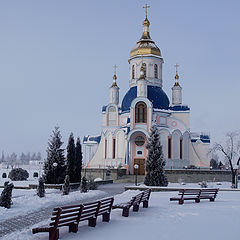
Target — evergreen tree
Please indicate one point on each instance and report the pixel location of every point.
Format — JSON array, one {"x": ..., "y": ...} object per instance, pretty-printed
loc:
[
  {"x": 84, "y": 185},
  {"x": 41, "y": 188},
  {"x": 71, "y": 158},
  {"x": 155, "y": 163},
  {"x": 78, "y": 161},
  {"x": 66, "y": 186},
  {"x": 54, "y": 166},
  {"x": 6, "y": 195}
]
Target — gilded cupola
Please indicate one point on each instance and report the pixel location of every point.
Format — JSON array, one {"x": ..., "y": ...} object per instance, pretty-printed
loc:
[{"x": 145, "y": 45}]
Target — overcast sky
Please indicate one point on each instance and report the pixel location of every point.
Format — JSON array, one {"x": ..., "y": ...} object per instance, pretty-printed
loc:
[{"x": 56, "y": 59}]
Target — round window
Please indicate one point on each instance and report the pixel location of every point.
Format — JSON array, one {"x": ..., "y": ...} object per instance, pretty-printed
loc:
[{"x": 139, "y": 141}]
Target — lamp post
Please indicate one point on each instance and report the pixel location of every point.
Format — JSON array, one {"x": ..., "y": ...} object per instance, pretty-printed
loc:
[
  {"x": 136, "y": 172},
  {"x": 235, "y": 168},
  {"x": 54, "y": 171}
]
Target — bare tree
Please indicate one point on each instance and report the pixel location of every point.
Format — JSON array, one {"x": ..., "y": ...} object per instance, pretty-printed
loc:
[{"x": 231, "y": 151}]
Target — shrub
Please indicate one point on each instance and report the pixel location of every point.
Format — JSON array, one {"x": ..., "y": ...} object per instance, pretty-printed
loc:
[
  {"x": 41, "y": 188},
  {"x": 6, "y": 195},
  {"x": 84, "y": 185},
  {"x": 35, "y": 174},
  {"x": 203, "y": 184},
  {"x": 18, "y": 174},
  {"x": 66, "y": 185},
  {"x": 92, "y": 185},
  {"x": 4, "y": 175}
]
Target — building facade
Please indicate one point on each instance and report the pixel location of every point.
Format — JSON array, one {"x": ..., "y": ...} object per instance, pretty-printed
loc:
[{"x": 126, "y": 126}]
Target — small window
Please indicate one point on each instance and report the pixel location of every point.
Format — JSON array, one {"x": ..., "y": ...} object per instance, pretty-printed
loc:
[
  {"x": 114, "y": 148},
  {"x": 155, "y": 71},
  {"x": 169, "y": 147},
  {"x": 181, "y": 148},
  {"x": 141, "y": 113},
  {"x": 105, "y": 148},
  {"x": 133, "y": 72},
  {"x": 144, "y": 69},
  {"x": 139, "y": 152}
]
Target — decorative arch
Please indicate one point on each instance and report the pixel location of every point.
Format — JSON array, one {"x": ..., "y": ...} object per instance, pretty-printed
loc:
[{"x": 112, "y": 115}]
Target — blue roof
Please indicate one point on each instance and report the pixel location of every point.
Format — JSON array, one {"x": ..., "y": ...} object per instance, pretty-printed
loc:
[
  {"x": 179, "y": 108},
  {"x": 155, "y": 94}
]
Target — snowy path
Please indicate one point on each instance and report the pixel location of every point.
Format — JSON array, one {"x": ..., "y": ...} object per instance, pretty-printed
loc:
[{"x": 18, "y": 223}]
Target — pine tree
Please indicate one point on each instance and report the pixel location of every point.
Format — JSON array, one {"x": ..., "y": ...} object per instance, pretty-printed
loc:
[
  {"x": 155, "y": 163},
  {"x": 54, "y": 166},
  {"x": 78, "y": 161},
  {"x": 71, "y": 158},
  {"x": 6, "y": 195},
  {"x": 41, "y": 188},
  {"x": 84, "y": 185},
  {"x": 66, "y": 186}
]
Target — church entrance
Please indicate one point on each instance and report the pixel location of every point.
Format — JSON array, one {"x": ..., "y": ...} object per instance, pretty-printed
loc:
[{"x": 141, "y": 165}]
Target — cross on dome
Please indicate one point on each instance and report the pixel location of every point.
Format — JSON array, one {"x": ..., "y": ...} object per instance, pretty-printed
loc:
[{"x": 146, "y": 7}]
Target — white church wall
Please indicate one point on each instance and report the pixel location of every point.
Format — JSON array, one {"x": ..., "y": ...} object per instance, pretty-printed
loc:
[
  {"x": 183, "y": 117},
  {"x": 120, "y": 145},
  {"x": 164, "y": 133},
  {"x": 104, "y": 119},
  {"x": 97, "y": 160},
  {"x": 201, "y": 150},
  {"x": 176, "y": 144}
]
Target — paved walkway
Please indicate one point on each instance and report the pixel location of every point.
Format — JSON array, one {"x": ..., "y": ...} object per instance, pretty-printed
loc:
[{"x": 25, "y": 221}]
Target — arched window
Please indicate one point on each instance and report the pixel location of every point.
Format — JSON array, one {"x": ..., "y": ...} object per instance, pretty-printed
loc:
[
  {"x": 155, "y": 71},
  {"x": 144, "y": 69},
  {"x": 133, "y": 72},
  {"x": 141, "y": 113}
]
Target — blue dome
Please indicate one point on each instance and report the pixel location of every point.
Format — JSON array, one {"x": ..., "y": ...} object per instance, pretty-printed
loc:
[{"x": 155, "y": 94}]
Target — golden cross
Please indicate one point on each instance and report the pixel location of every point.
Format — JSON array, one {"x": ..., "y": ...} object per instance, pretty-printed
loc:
[
  {"x": 146, "y": 7},
  {"x": 115, "y": 68},
  {"x": 176, "y": 66}
]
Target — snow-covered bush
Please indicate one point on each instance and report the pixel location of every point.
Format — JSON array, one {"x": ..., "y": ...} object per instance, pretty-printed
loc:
[
  {"x": 84, "y": 188},
  {"x": 203, "y": 184},
  {"x": 6, "y": 195},
  {"x": 41, "y": 188},
  {"x": 18, "y": 174},
  {"x": 66, "y": 185},
  {"x": 92, "y": 185},
  {"x": 4, "y": 175}
]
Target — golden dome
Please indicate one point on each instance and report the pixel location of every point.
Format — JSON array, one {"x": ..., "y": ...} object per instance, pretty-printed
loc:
[
  {"x": 176, "y": 76},
  {"x": 145, "y": 45}
]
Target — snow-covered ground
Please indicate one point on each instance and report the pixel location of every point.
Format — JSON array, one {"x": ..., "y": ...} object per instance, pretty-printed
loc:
[
  {"x": 29, "y": 202},
  {"x": 163, "y": 220}
]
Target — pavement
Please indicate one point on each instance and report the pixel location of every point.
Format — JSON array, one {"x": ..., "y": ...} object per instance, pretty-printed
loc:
[{"x": 20, "y": 222}]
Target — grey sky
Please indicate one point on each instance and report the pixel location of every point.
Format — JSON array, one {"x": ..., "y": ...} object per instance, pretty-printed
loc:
[{"x": 56, "y": 61}]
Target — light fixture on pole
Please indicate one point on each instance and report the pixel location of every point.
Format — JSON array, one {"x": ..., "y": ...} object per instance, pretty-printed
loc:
[{"x": 136, "y": 172}]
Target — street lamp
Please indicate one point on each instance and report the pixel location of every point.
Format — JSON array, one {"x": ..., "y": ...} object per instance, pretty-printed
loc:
[
  {"x": 235, "y": 169},
  {"x": 136, "y": 172},
  {"x": 54, "y": 171}
]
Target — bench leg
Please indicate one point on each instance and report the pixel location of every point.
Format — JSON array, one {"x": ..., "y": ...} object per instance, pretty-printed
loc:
[
  {"x": 73, "y": 228},
  {"x": 106, "y": 217},
  {"x": 54, "y": 234},
  {"x": 92, "y": 222},
  {"x": 135, "y": 208},
  {"x": 145, "y": 204},
  {"x": 212, "y": 199},
  {"x": 125, "y": 212},
  {"x": 180, "y": 201},
  {"x": 197, "y": 200}
]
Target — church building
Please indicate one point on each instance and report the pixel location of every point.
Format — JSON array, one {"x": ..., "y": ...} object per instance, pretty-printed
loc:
[{"x": 126, "y": 125}]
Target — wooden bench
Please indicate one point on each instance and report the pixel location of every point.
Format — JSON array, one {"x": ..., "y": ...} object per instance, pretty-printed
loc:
[
  {"x": 105, "y": 208},
  {"x": 135, "y": 202},
  {"x": 145, "y": 198},
  {"x": 195, "y": 194},
  {"x": 71, "y": 216},
  {"x": 62, "y": 216}
]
